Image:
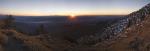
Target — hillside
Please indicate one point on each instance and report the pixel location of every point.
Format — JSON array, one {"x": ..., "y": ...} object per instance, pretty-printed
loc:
[{"x": 137, "y": 38}]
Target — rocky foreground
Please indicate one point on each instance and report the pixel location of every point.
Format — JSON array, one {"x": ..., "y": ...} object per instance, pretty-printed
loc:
[{"x": 128, "y": 34}]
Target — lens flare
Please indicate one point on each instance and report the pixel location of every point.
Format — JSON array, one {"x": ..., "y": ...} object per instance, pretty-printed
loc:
[{"x": 72, "y": 16}]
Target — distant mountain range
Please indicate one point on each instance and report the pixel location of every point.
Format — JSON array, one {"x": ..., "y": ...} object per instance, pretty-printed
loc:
[{"x": 55, "y": 23}]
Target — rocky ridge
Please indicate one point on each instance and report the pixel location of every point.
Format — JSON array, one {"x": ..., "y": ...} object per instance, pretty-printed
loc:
[{"x": 116, "y": 30}]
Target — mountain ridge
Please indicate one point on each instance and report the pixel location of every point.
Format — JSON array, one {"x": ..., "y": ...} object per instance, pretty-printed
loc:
[{"x": 114, "y": 31}]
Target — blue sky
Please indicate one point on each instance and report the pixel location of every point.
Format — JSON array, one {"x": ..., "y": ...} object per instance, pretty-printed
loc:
[{"x": 69, "y": 7}]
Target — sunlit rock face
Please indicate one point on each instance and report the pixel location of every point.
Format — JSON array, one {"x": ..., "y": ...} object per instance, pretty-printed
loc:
[{"x": 114, "y": 30}]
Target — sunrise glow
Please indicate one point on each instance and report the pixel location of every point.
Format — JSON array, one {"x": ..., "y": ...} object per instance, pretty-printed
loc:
[
  {"x": 67, "y": 7},
  {"x": 72, "y": 16}
]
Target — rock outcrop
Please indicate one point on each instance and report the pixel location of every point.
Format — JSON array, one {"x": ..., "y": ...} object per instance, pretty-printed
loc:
[{"x": 114, "y": 31}]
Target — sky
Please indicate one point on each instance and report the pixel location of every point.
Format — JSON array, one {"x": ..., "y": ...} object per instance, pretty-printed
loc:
[{"x": 70, "y": 7}]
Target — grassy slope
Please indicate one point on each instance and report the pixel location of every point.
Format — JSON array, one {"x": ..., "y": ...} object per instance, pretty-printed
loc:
[{"x": 141, "y": 31}]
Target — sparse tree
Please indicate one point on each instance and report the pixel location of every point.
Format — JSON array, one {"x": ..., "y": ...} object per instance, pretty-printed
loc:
[
  {"x": 9, "y": 22},
  {"x": 136, "y": 44},
  {"x": 148, "y": 47},
  {"x": 41, "y": 29}
]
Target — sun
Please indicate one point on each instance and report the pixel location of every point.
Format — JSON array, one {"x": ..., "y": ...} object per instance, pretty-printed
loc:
[{"x": 72, "y": 16}]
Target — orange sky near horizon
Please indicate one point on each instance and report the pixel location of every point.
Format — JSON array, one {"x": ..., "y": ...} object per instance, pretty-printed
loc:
[
  {"x": 70, "y": 7},
  {"x": 66, "y": 13}
]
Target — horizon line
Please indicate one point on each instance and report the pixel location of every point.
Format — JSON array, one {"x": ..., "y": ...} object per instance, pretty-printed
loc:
[{"x": 75, "y": 15}]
